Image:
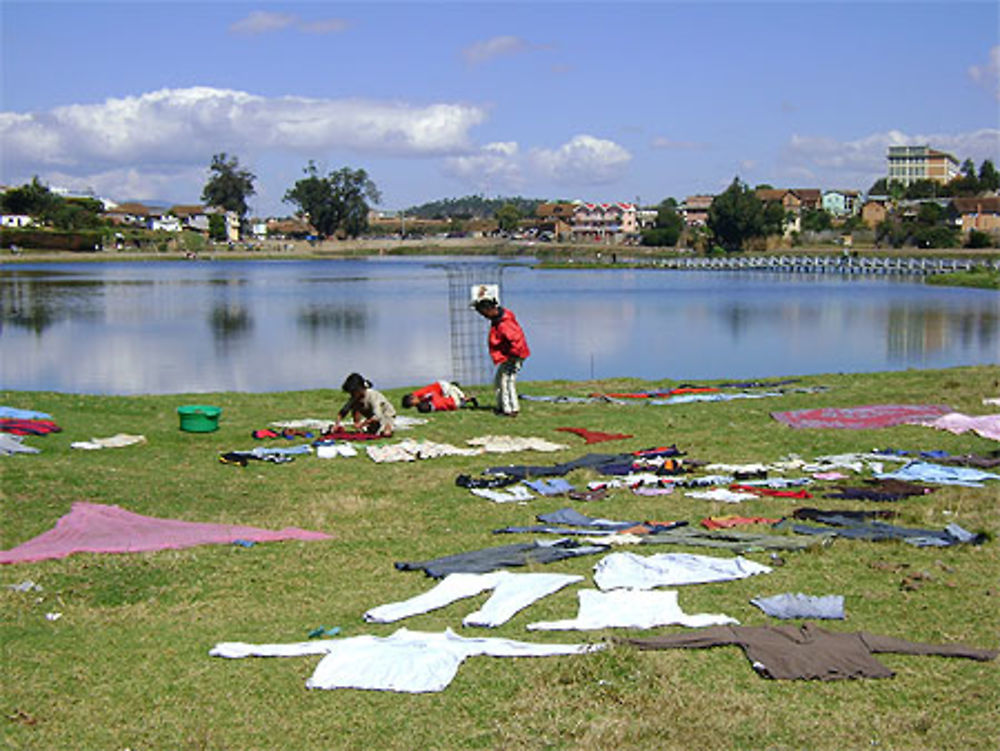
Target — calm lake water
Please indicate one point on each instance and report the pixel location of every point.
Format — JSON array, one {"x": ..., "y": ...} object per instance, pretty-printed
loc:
[{"x": 182, "y": 327}]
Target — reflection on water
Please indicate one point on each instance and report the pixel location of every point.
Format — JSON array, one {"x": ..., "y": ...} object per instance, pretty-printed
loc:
[
  {"x": 229, "y": 323},
  {"x": 349, "y": 322},
  {"x": 34, "y": 304},
  {"x": 263, "y": 326}
]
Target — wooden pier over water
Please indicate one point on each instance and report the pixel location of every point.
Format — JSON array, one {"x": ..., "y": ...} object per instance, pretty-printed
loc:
[{"x": 817, "y": 264}]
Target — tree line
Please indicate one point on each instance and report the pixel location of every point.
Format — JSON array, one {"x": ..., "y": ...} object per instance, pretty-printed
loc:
[
  {"x": 67, "y": 214},
  {"x": 473, "y": 207},
  {"x": 335, "y": 203},
  {"x": 338, "y": 204}
]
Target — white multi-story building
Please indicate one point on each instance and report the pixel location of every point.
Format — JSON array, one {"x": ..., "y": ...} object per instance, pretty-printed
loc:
[{"x": 907, "y": 164}]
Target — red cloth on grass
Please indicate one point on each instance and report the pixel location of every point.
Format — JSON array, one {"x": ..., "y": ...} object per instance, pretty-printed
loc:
[
  {"x": 771, "y": 492},
  {"x": 595, "y": 436},
  {"x": 28, "y": 427}
]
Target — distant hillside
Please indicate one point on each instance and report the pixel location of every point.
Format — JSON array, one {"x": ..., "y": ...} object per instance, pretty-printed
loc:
[{"x": 471, "y": 207}]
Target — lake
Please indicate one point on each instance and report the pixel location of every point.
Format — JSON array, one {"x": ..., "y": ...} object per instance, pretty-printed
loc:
[{"x": 202, "y": 326}]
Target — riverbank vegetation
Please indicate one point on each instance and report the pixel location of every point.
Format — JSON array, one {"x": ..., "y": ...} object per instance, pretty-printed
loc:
[
  {"x": 977, "y": 278},
  {"x": 111, "y": 651}
]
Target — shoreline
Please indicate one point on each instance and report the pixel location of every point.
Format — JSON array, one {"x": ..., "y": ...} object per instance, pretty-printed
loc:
[
  {"x": 610, "y": 383},
  {"x": 543, "y": 255},
  {"x": 368, "y": 247}
]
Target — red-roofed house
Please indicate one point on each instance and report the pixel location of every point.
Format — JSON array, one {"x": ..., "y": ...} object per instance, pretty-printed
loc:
[{"x": 978, "y": 213}]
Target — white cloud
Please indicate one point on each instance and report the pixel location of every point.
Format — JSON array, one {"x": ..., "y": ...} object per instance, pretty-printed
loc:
[
  {"x": 130, "y": 183},
  {"x": 264, "y": 22},
  {"x": 500, "y": 46},
  {"x": 988, "y": 74},
  {"x": 581, "y": 162},
  {"x": 584, "y": 160},
  {"x": 185, "y": 126},
  {"x": 829, "y": 163},
  {"x": 495, "y": 167}
]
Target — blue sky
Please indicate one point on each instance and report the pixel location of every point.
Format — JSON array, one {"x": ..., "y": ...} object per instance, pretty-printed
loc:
[{"x": 601, "y": 101}]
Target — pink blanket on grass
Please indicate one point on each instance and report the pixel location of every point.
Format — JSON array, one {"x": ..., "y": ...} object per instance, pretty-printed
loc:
[
  {"x": 860, "y": 418},
  {"x": 988, "y": 426},
  {"x": 96, "y": 528}
]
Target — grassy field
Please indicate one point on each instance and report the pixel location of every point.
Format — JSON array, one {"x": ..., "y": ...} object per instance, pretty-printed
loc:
[{"x": 127, "y": 664}]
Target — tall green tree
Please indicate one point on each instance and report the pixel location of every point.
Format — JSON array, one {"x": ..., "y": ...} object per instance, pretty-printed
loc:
[
  {"x": 775, "y": 217},
  {"x": 36, "y": 200},
  {"x": 668, "y": 227},
  {"x": 228, "y": 185},
  {"x": 816, "y": 220},
  {"x": 217, "y": 226},
  {"x": 335, "y": 203},
  {"x": 989, "y": 178},
  {"x": 966, "y": 183},
  {"x": 508, "y": 216},
  {"x": 736, "y": 216},
  {"x": 880, "y": 187},
  {"x": 930, "y": 228},
  {"x": 76, "y": 214},
  {"x": 33, "y": 199}
]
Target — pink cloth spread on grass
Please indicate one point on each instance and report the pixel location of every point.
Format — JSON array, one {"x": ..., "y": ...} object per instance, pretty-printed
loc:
[
  {"x": 96, "y": 528},
  {"x": 988, "y": 426},
  {"x": 860, "y": 418}
]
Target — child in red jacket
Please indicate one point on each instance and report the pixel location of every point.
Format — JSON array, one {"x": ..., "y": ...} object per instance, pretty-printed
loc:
[
  {"x": 508, "y": 350},
  {"x": 440, "y": 396}
]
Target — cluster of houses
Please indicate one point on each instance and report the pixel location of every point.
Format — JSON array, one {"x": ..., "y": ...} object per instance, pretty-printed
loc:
[
  {"x": 579, "y": 221},
  {"x": 613, "y": 223},
  {"x": 617, "y": 222},
  {"x": 183, "y": 217}
]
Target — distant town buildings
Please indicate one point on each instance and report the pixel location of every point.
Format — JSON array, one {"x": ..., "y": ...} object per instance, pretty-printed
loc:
[
  {"x": 874, "y": 212},
  {"x": 841, "y": 203},
  {"x": 980, "y": 213},
  {"x": 694, "y": 210},
  {"x": 605, "y": 223},
  {"x": 172, "y": 219},
  {"x": 555, "y": 218},
  {"x": 907, "y": 164}
]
